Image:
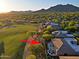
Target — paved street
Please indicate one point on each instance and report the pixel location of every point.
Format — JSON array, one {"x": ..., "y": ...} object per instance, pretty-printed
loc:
[{"x": 69, "y": 57}]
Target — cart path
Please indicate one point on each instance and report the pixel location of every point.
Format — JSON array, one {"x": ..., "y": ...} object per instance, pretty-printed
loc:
[{"x": 30, "y": 41}]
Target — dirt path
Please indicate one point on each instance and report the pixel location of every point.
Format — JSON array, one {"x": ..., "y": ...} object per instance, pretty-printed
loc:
[{"x": 26, "y": 50}]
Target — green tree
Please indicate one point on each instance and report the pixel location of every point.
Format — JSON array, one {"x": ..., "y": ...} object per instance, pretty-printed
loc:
[
  {"x": 71, "y": 28},
  {"x": 31, "y": 57},
  {"x": 72, "y": 23},
  {"x": 47, "y": 37},
  {"x": 46, "y": 32},
  {"x": 64, "y": 24},
  {"x": 77, "y": 41},
  {"x": 55, "y": 20},
  {"x": 37, "y": 50},
  {"x": 49, "y": 28}
]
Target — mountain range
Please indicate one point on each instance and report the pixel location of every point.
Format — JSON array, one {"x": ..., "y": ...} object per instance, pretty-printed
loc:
[
  {"x": 57, "y": 8},
  {"x": 62, "y": 8}
]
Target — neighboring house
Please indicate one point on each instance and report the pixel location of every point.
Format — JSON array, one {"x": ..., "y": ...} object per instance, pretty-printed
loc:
[
  {"x": 63, "y": 44},
  {"x": 7, "y": 22},
  {"x": 70, "y": 47},
  {"x": 59, "y": 33},
  {"x": 35, "y": 22},
  {"x": 57, "y": 44},
  {"x": 54, "y": 25},
  {"x": 21, "y": 21},
  {"x": 66, "y": 44},
  {"x": 50, "y": 49}
]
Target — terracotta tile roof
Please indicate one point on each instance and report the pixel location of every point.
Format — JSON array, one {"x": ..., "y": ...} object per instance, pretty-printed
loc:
[{"x": 57, "y": 43}]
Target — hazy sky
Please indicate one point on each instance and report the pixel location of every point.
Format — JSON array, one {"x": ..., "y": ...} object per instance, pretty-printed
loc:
[{"x": 17, "y": 5}]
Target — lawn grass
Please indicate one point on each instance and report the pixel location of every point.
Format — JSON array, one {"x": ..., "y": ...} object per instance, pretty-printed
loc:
[{"x": 12, "y": 36}]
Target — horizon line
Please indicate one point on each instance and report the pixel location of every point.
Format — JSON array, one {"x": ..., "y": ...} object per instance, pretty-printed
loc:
[{"x": 36, "y": 9}]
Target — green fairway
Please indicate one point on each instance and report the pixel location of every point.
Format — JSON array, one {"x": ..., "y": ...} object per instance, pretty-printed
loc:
[{"x": 12, "y": 36}]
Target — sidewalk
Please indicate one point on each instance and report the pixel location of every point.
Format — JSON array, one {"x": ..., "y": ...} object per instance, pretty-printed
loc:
[{"x": 69, "y": 57}]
